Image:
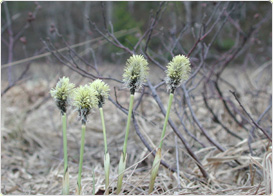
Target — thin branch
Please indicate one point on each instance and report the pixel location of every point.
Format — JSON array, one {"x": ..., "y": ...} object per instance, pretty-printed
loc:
[
  {"x": 218, "y": 146},
  {"x": 249, "y": 116},
  {"x": 187, "y": 131},
  {"x": 141, "y": 137},
  {"x": 251, "y": 133},
  {"x": 153, "y": 25},
  {"x": 216, "y": 119},
  {"x": 177, "y": 132},
  {"x": 226, "y": 106}
]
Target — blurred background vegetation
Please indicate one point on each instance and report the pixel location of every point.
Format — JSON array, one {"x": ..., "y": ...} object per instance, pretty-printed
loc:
[{"x": 70, "y": 18}]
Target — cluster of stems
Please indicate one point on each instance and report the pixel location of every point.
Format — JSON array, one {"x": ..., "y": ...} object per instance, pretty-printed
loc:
[
  {"x": 85, "y": 98},
  {"x": 89, "y": 97}
]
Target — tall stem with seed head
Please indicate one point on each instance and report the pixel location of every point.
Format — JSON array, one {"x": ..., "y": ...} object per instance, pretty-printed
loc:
[
  {"x": 134, "y": 76},
  {"x": 84, "y": 100},
  {"x": 62, "y": 94},
  {"x": 177, "y": 71},
  {"x": 101, "y": 90}
]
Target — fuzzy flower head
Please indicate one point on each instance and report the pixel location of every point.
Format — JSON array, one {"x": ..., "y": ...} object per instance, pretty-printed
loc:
[
  {"x": 62, "y": 93},
  {"x": 85, "y": 100},
  {"x": 135, "y": 72},
  {"x": 102, "y": 91},
  {"x": 178, "y": 70}
]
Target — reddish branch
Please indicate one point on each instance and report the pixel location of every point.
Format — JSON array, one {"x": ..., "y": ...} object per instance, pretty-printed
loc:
[{"x": 12, "y": 40}]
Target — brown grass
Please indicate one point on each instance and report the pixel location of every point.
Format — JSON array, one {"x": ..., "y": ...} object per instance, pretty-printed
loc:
[{"x": 32, "y": 150}]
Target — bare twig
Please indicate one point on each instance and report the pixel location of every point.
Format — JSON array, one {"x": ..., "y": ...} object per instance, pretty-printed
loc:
[
  {"x": 251, "y": 133},
  {"x": 148, "y": 146},
  {"x": 218, "y": 146},
  {"x": 177, "y": 132},
  {"x": 249, "y": 116},
  {"x": 153, "y": 25},
  {"x": 216, "y": 119}
]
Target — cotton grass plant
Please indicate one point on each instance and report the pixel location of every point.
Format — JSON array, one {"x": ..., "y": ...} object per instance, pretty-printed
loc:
[
  {"x": 135, "y": 74},
  {"x": 87, "y": 97},
  {"x": 85, "y": 100},
  {"x": 177, "y": 72},
  {"x": 102, "y": 92},
  {"x": 62, "y": 94}
]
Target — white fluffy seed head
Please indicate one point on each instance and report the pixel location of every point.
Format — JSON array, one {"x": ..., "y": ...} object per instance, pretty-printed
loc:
[
  {"x": 62, "y": 93},
  {"x": 85, "y": 100},
  {"x": 135, "y": 72},
  {"x": 178, "y": 71},
  {"x": 102, "y": 91}
]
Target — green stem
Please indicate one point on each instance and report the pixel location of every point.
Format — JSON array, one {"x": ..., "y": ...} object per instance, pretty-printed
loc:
[
  {"x": 166, "y": 119},
  {"x": 64, "y": 141},
  {"x": 155, "y": 168},
  {"x": 128, "y": 123},
  {"x": 81, "y": 155},
  {"x": 123, "y": 157},
  {"x": 103, "y": 129},
  {"x": 107, "y": 171},
  {"x": 106, "y": 154},
  {"x": 66, "y": 172},
  {"x": 158, "y": 153}
]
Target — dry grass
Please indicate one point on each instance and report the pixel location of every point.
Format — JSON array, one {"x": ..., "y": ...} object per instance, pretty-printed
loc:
[{"x": 32, "y": 149}]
